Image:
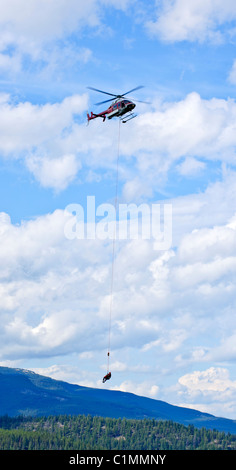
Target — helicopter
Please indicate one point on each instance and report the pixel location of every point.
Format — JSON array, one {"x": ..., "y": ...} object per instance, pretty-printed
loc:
[{"x": 118, "y": 108}]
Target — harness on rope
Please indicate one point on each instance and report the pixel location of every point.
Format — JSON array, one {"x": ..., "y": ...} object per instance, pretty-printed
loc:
[{"x": 108, "y": 374}]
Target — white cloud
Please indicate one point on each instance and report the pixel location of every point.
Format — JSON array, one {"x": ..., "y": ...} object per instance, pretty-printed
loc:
[
  {"x": 190, "y": 128},
  {"x": 37, "y": 133},
  {"x": 226, "y": 350},
  {"x": 142, "y": 389},
  {"x": 189, "y": 134},
  {"x": 30, "y": 37},
  {"x": 34, "y": 34},
  {"x": 55, "y": 292},
  {"x": 191, "y": 166},
  {"x": 46, "y": 287},
  {"x": 55, "y": 173},
  {"x": 46, "y": 20},
  {"x": 198, "y": 20},
  {"x": 211, "y": 390},
  {"x": 50, "y": 283},
  {"x": 25, "y": 126},
  {"x": 195, "y": 129},
  {"x": 55, "y": 300},
  {"x": 209, "y": 244},
  {"x": 211, "y": 380},
  {"x": 10, "y": 64}
]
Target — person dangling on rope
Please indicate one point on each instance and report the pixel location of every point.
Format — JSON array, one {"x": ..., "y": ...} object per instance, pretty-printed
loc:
[{"x": 106, "y": 377}]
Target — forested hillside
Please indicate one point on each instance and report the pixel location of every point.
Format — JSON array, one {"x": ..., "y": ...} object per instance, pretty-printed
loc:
[
  {"x": 25, "y": 393},
  {"x": 94, "y": 433}
]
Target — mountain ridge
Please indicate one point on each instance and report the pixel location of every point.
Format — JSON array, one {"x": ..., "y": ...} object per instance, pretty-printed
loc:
[{"x": 24, "y": 392}]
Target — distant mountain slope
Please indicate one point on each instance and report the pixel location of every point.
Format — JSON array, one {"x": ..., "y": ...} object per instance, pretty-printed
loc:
[{"x": 27, "y": 393}]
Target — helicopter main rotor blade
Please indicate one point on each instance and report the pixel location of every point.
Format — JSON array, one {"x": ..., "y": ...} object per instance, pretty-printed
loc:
[
  {"x": 138, "y": 101},
  {"x": 116, "y": 96},
  {"x": 130, "y": 91},
  {"x": 102, "y": 102},
  {"x": 100, "y": 91}
]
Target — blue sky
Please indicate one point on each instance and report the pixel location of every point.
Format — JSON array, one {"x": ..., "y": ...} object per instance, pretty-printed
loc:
[{"x": 173, "y": 320}]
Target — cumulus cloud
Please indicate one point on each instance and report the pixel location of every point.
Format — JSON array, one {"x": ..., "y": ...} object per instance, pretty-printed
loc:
[
  {"x": 211, "y": 380},
  {"x": 33, "y": 36},
  {"x": 45, "y": 286},
  {"x": 143, "y": 388},
  {"x": 213, "y": 389},
  {"x": 191, "y": 166},
  {"x": 55, "y": 292},
  {"x": 192, "y": 126},
  {"x": 25, "y": 126},
  {"x": 34, "y": 133},
  {"x": 56, "y": 173},
  {"x": 55, "y": 297},
  {"x": 198, "y": 20},
  {"x": 45, "y": 20},
  {"x": 188, "y": 133},
  {"x": 49, "y": 281}
]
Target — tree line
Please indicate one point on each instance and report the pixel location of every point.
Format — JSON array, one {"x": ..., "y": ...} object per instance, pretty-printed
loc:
[{"x": 96, "y": 433}]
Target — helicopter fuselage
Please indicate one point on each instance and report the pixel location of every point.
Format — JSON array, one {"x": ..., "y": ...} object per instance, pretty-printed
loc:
[{"x": 118, "y": 108}]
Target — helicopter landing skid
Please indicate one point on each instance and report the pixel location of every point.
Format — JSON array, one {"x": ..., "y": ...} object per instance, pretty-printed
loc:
[{"x": 129, "y": 117}]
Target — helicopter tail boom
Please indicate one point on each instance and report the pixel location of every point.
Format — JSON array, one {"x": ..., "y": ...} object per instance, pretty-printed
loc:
[{"x": 94, "y": 116}]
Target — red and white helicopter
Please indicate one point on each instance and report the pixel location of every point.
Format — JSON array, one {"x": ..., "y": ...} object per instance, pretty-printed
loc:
[{"x": 118, "y": 108}]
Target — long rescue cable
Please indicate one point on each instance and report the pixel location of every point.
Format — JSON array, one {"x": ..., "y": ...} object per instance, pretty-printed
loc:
[{"x": 108, "y": 375}]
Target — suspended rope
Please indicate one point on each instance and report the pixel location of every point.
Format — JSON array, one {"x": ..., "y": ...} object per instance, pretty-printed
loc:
[{"x": 108, "y": 376}]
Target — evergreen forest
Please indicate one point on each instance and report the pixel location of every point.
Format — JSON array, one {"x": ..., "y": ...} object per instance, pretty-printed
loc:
[{"x": 96, "y": 433}]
